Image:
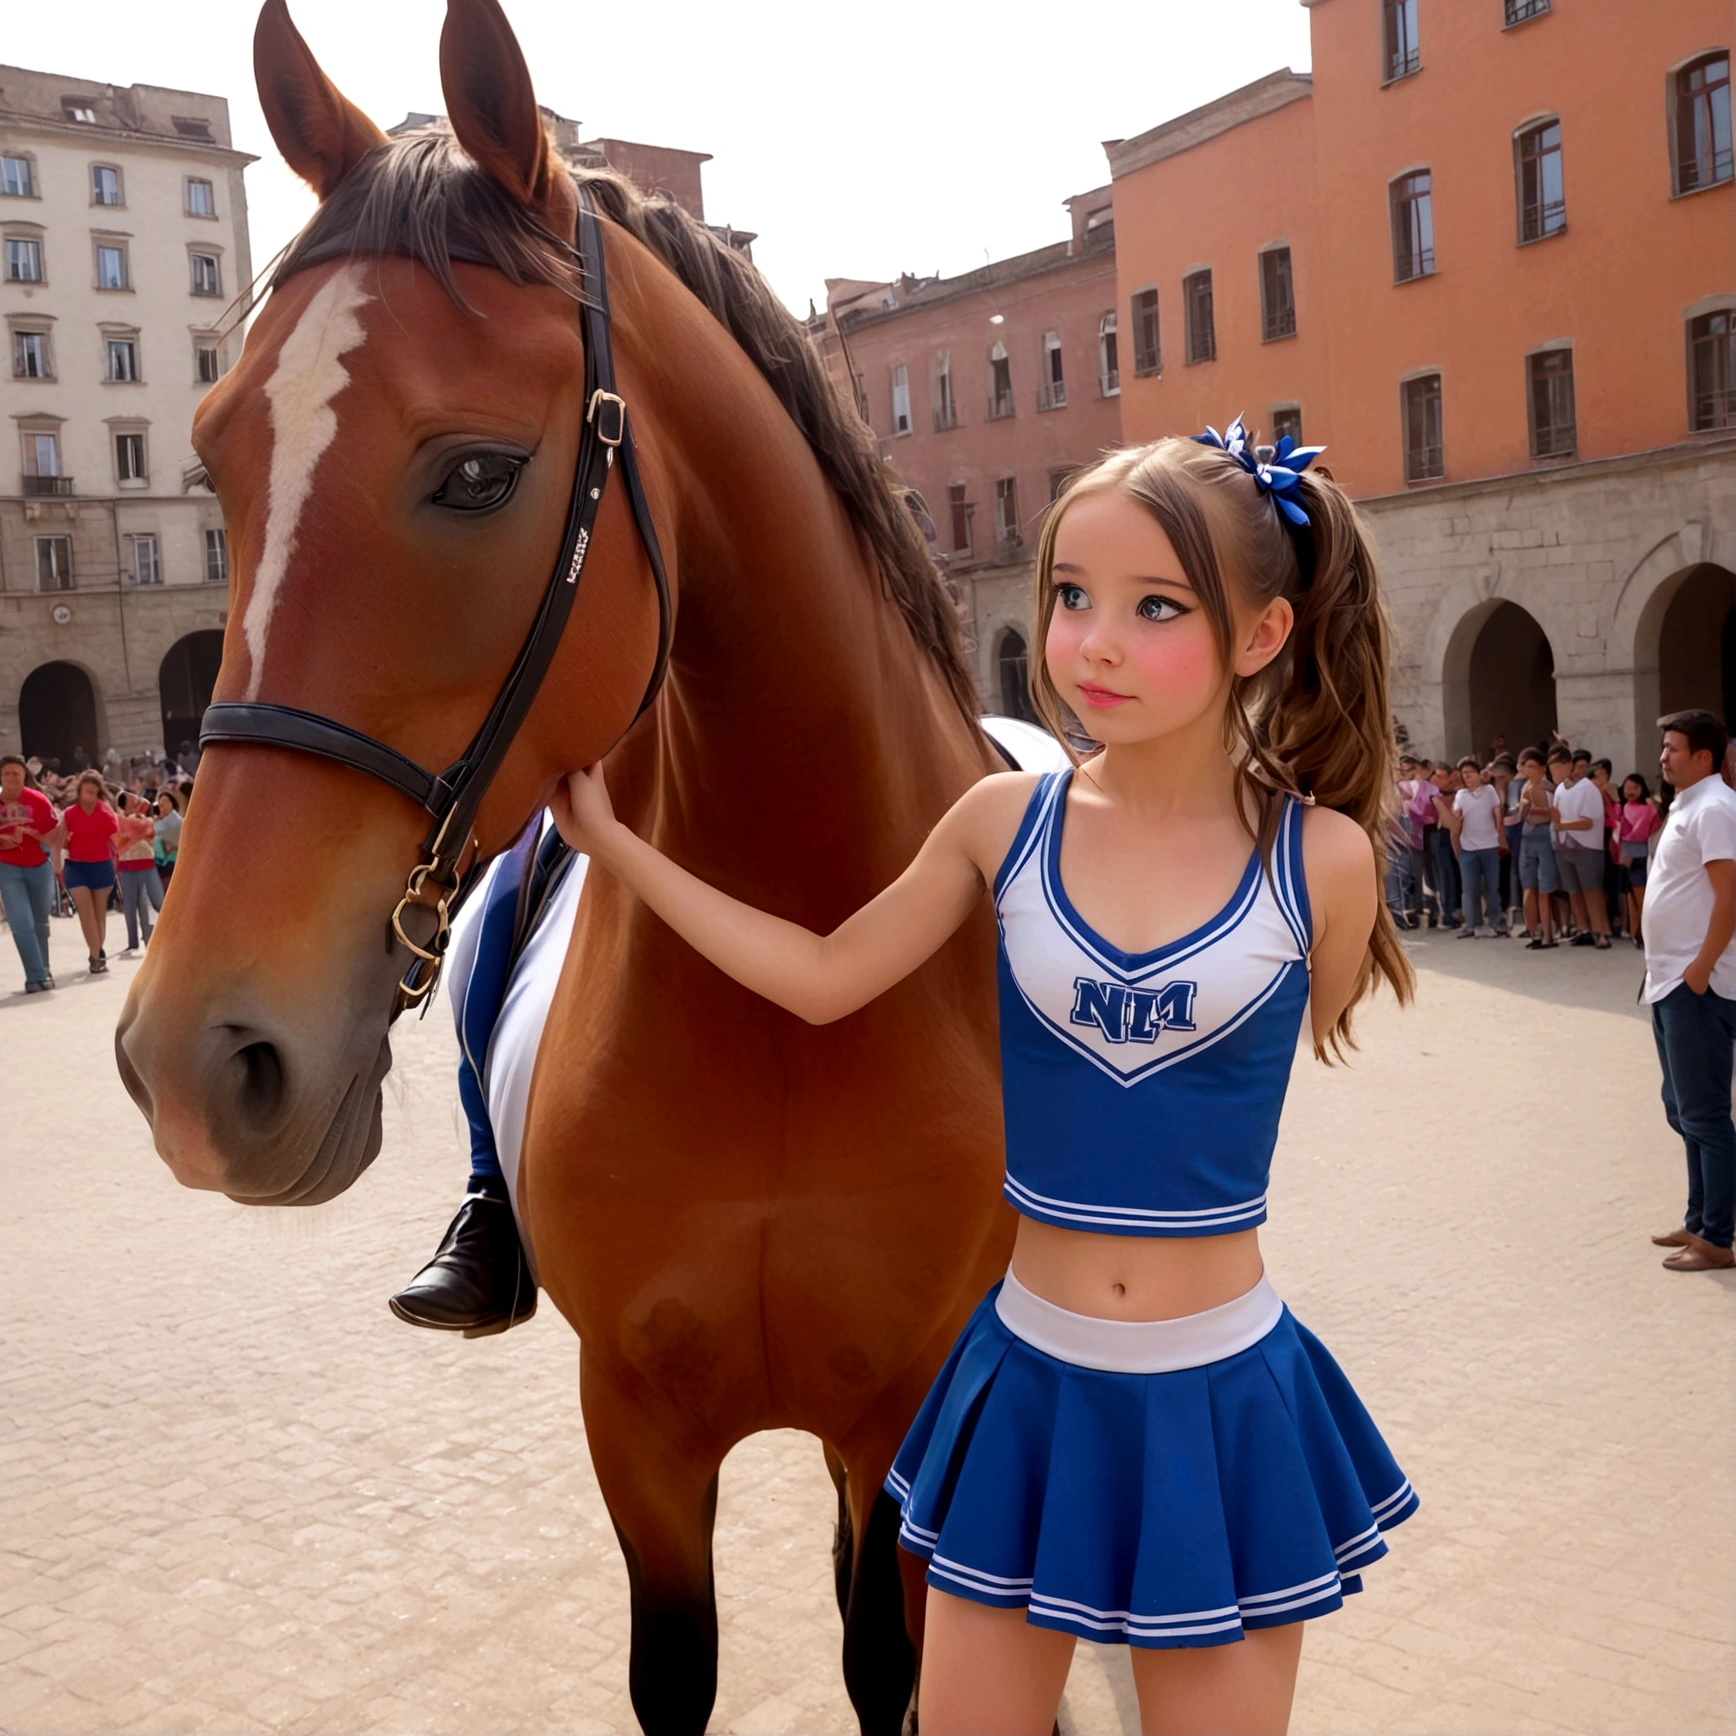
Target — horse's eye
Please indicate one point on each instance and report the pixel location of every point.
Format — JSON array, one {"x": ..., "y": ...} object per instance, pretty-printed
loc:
[{"x": 480, "y": 482}]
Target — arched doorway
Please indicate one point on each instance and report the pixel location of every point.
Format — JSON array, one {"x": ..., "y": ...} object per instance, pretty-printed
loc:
[
  {"x": 1498, "y": 680},
  {"x": 185, "y": 679},
  {"x": 57, "y": 716},
  {"x": 1013, "y": 672},
  {"x": 1697, "y": 644}
]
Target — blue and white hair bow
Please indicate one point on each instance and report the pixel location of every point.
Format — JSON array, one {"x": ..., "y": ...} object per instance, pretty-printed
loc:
[{"x": 1276, "y": 470}]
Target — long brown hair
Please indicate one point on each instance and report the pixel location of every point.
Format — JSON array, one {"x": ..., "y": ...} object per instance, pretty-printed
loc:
[{"x": 1314, "y": 722}]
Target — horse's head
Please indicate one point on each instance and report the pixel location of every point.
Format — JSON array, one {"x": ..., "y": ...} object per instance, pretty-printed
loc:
[{"x": 394, "y": 454}]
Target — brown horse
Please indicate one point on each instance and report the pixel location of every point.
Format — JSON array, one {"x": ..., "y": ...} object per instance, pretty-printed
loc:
[{"x": 749, "y": 1222}]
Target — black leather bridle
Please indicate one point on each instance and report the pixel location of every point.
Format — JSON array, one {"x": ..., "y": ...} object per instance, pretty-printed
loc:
[{"x": 453, "y": 796}]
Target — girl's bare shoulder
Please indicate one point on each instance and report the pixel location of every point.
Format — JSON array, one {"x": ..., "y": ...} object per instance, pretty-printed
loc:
[
  {"x": 1334, "y": 845},
  {"x": 986, "y": 818}
]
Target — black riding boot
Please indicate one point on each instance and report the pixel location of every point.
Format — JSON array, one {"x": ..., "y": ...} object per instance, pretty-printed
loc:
[{"x": 479, "y": 1280}]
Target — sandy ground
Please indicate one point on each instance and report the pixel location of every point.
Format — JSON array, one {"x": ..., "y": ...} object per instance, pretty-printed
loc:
[{"x": 236, "y": 1495}]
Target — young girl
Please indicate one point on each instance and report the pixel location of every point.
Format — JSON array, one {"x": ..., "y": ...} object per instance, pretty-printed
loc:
[
  {"x": 1638, "y": 820},
  {"x": 1133, "y": 1440},
  {"x": 89, "y": 825}
]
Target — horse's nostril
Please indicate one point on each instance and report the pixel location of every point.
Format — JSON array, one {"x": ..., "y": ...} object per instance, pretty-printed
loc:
[{"x": 261, "y": 1092}]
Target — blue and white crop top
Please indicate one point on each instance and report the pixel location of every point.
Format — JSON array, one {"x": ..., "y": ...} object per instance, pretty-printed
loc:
[{"x": 1143, "y": 1090}]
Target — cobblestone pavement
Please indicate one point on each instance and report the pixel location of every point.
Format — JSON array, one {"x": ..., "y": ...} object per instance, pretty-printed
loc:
[{"x": 236, "y": 1495}]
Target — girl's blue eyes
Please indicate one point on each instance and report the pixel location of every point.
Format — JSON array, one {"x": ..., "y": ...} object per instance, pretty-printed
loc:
[{"x": 1152, "y": 608}]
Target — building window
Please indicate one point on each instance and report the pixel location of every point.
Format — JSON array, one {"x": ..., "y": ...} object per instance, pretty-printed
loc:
[
  {"x": 1402, "y": 57},
  {"x": 1413, "y": 227},
  {"x": 201, "y": 199},
  {"x": 1549, "y": 375},
  {"x": 1058, "y": 480},
  {"x": 105, "y": 184},
  {"x": 17, "y": 178},
  {"x": 900, "y": 398},
  {"x": 941, "y": 400},
  {"x": 1007, "y": 534},
  {"x": 207, "y": 362},
  {"x": 1517, "y": 11},
  {"x": 1147, "y": 349},
  {"x": 1108, "y": 357},
  {"x": 54, "y": 563},
  {"x": 130, "y": 457},
  {"x": 123, "y": 359},
  {"x": 1702, "y": 130},
  {"x": 1712, "y": 370},
  {"x": 1277, "y": 295},
  {"x": 217, "y": 557},
  {"x": 1052, "y": 391},
  {"x": 1422, "y": 429},
  {"x": 860, "y": 390},
  {"x": 142, "y": 563},
  {"x": 1013, "y": 666},
  {"x": 30, "y": 357},
  {"x": 1542, "y": 201},
  {"x": 1287, "y": 419},
  {"x": 960, "y": 511},
  {"x": 23, "y": 259},
  {"x": 41, "y": 456},
  {"x": 80, "y": 109},
  {"x": 206, "y": 280},
  {"x": 1000, "y": 382},
  {"x": 1196, "y": 296},
  {"x": 111, "y": 265}
]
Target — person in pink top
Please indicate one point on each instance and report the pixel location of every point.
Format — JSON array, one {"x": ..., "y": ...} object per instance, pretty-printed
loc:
[
  {"x": 136, "y": 860},
  {"x": 27, "y": 818},
  {"x": 1634, "y": 829},
  {"x": 90, "y": 825}
]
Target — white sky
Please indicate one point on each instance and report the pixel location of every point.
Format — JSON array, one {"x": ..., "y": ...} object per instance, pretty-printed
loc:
[{"x": 856, "y": 141}]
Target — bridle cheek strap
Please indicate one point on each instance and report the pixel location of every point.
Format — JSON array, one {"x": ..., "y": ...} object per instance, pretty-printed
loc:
[{"x": 453, "y": 796}]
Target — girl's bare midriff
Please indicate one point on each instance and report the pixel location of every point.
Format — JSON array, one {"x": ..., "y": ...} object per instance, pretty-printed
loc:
[{"x": 1135, "y": 1277}]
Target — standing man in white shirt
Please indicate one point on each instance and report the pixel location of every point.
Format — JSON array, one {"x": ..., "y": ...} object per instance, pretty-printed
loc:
[
  {"x": 1691, "y": 980},
  {"x": 1478, "y": 835},
  {"x": 1579, "y": 850}
]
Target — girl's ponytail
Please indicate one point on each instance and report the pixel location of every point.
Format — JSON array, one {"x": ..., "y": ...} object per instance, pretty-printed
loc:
[{"x": 1327, "y": 721}]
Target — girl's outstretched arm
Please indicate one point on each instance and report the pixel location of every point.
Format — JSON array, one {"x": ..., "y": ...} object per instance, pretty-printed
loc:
[{"x": 817, "y": 977}]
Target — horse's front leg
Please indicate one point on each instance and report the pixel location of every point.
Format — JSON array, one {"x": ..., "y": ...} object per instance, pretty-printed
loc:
[{"x": 663, "y": 1502}]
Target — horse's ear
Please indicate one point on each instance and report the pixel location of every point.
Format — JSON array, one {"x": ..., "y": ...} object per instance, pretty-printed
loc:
[
  {"x": 494, "y": 116},
  {"x": 321, "y": 133}
]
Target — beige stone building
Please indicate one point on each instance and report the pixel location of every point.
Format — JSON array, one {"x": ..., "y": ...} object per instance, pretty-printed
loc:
[{"x": 123, "y": 226}]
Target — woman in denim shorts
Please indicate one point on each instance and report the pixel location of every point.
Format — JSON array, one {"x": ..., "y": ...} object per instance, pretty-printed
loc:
[{"x": 1537, "y": 871}]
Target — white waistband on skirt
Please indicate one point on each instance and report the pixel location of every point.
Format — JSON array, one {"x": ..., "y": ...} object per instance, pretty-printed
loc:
[{"x": 1139, "y": 1346}]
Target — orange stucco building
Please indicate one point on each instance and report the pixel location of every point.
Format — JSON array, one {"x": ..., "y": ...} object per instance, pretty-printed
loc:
[{"x": 1487, "y": 253}]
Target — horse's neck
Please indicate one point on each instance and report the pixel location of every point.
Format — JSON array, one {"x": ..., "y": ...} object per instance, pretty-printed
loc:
[{"x": 805, "y": 743}]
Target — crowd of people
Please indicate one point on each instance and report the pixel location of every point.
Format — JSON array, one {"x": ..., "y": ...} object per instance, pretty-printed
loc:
[
  {"x": 84, "y": 843},
  {"x": 1542, "y": 844}
]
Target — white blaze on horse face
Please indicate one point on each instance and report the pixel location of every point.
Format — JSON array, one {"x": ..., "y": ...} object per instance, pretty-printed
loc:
[{"x": 310, "y": 372}]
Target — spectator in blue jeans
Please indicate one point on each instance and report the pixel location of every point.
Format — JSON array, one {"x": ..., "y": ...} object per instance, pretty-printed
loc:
[
  {"x": 26, "y": 875},
  {"x": 1476, "y": 833},
  {"x": 1691, "y": 981}
]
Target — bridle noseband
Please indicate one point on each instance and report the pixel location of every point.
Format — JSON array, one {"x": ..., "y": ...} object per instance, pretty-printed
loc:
[{"x": 454, "y": 795}]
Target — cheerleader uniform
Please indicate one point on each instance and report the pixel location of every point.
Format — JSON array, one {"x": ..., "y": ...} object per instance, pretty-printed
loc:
[{"x": 1158, "y": 1483}]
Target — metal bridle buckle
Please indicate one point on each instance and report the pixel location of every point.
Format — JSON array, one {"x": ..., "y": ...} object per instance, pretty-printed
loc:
[
  {"x": 419, "y": 980},
  {"x": 608, "y": 412}
]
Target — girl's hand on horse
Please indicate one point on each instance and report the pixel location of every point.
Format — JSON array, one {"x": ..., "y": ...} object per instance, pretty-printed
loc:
[{"x": 582, "y": 810}]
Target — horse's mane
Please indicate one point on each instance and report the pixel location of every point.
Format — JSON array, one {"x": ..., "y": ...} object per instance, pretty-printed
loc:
[{"x": 426, "y": 200}]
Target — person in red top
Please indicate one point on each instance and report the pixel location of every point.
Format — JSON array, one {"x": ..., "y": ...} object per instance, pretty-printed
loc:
[
  {"x": 90, "y": 825},
  {"x": 27, "y": 817}
]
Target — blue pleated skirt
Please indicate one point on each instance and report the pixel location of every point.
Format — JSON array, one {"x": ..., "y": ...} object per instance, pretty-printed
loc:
[{"x": 1177, "y": 1509}]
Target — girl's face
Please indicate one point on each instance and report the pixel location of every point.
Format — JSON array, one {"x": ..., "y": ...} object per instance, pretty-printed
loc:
[
  {"x": 1601, "y": 778},
  {"x": 165, "y": 804},
  {"x": 1630, "y": 790},
  {"x": 1130, "y": 647}
]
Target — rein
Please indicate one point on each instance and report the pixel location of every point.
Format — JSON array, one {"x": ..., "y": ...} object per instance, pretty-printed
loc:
[{"x": 454, "y": 796}]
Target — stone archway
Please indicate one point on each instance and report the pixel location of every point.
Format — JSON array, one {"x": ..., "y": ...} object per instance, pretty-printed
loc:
[
  {"x": 1692, "y": 624},
  {"x": 58, "y": 717},
  {"x": 1013, "y": 676},
  {"x": 1497, "y": 679},
  {"x": 185, "y": 679}
]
